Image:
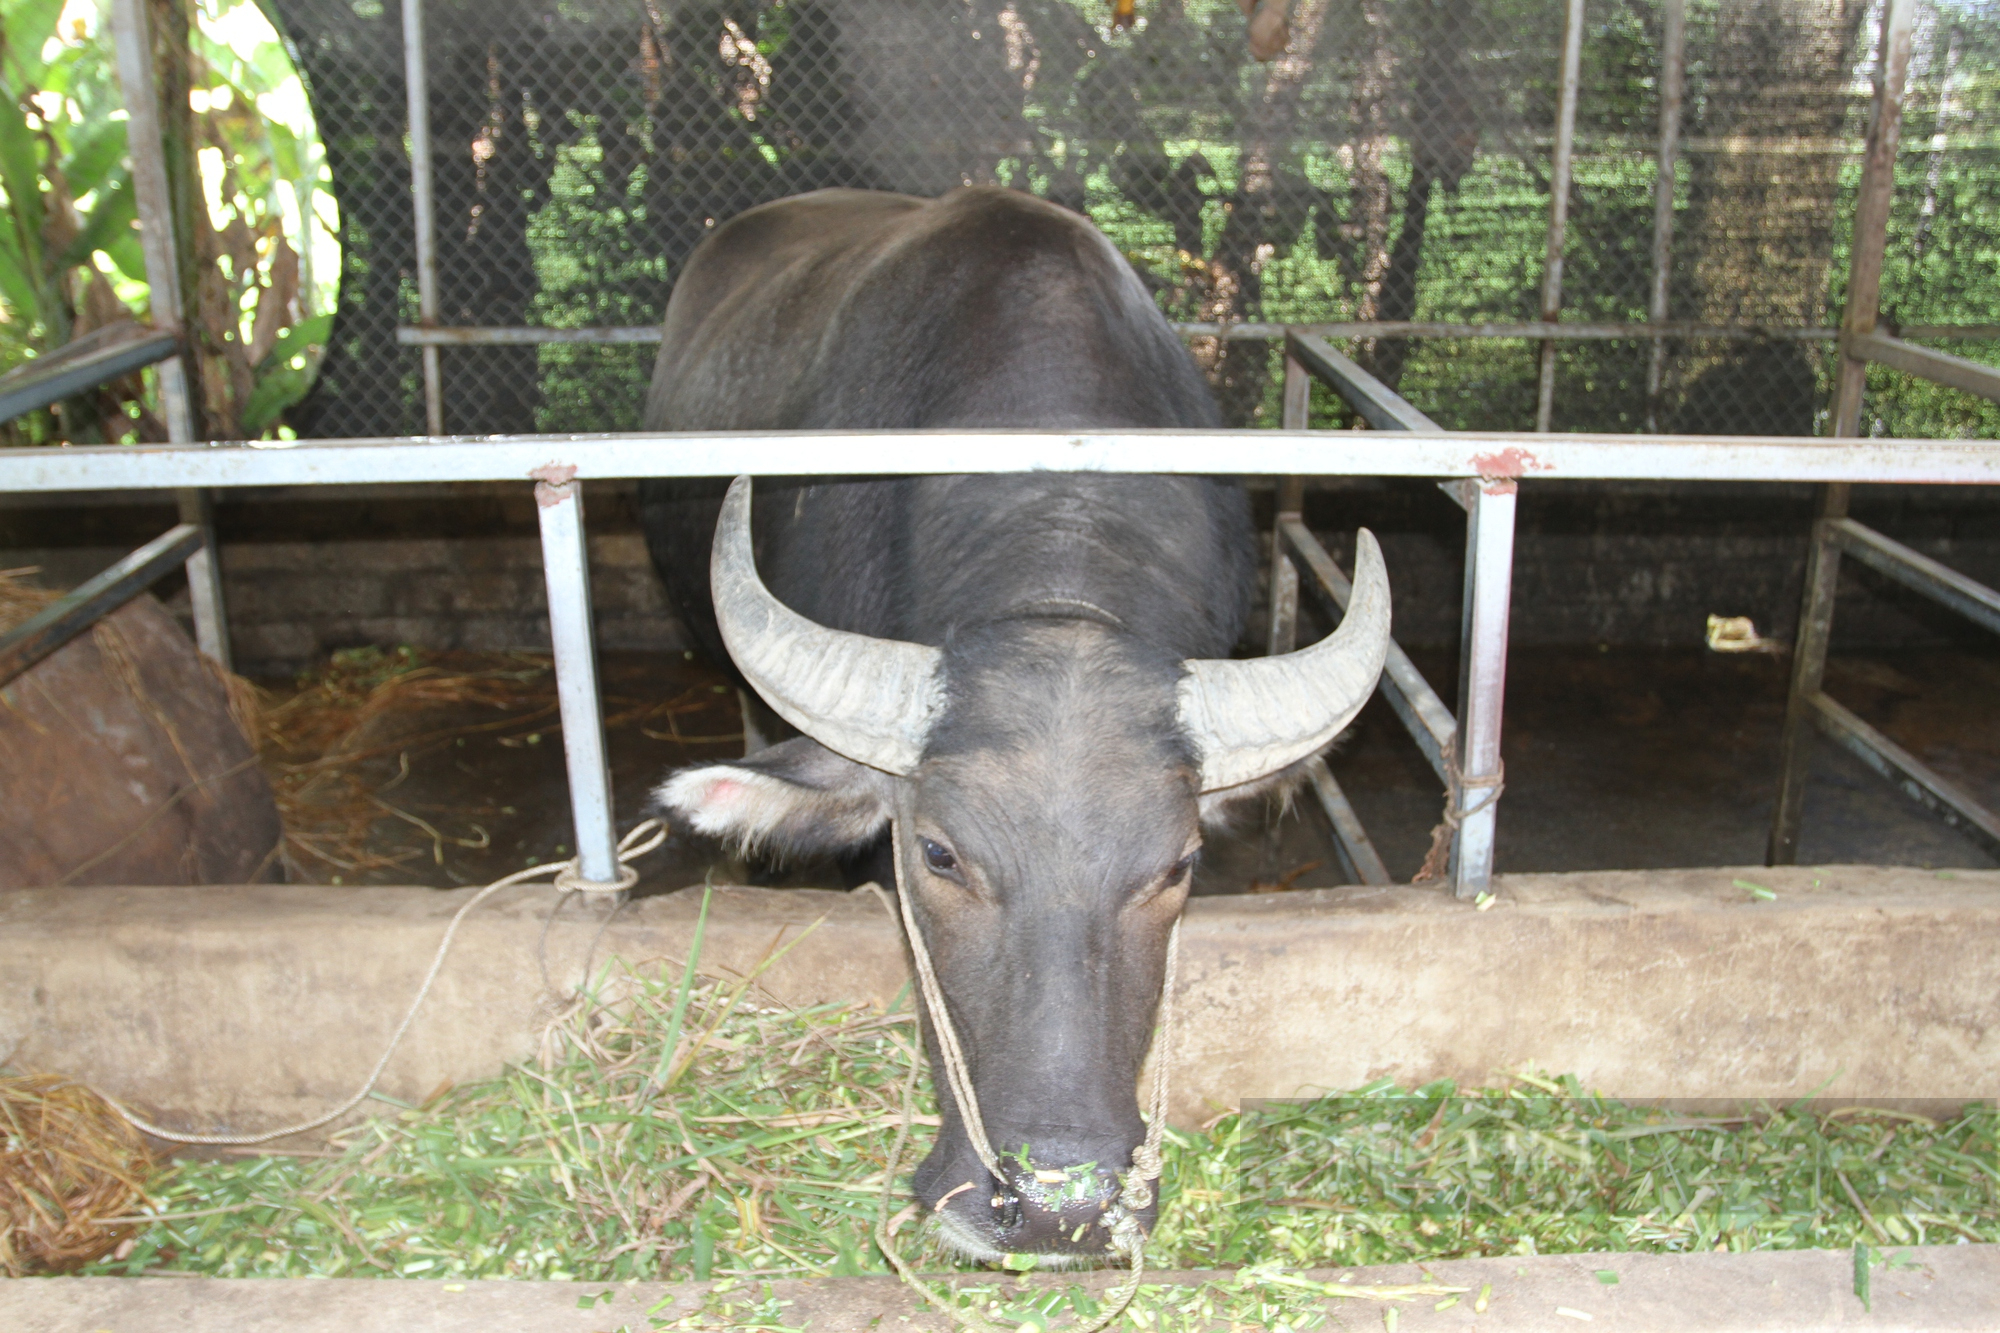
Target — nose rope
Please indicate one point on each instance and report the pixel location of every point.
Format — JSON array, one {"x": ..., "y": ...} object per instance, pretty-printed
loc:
[
  {"x": 1128, "y": 1236},
  {"x": 956, "y": 1074}
]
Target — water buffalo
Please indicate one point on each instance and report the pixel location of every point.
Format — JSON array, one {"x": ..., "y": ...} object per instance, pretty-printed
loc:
[{"x": 1025, "y": 676}]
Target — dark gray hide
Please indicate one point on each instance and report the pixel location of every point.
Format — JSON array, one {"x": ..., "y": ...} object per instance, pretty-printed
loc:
[{"x": 1051, "y": 821}]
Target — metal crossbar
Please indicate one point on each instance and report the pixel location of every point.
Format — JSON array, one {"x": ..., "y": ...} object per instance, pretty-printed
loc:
[
  {"x": 1280, "y": 453},
  {"x": 83, "y": 364},
  {"x": 1490, "y": 465},
  {"x": 1656, "y": 331},
  {"x": 68, "y": 616},
  {"x": 1926, "y": 363}
]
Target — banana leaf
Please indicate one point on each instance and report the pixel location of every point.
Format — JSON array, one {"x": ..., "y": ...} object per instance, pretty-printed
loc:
[
  {"x": 29, "y": 25},
  {"x": 96, "y": 150},
  {"x": 111, "y": 218},
  {"x": 279, "y": 384}
]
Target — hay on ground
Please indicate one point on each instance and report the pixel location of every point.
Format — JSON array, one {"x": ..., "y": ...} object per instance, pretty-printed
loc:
[{"x": 68, "y": 1163}]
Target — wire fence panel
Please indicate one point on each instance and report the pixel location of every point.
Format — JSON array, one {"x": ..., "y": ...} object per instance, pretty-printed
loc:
[{"x": 1392, "y": 164}]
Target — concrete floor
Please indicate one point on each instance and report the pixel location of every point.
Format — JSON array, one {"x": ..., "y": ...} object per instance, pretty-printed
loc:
[
  {"x": 1617, "y": 759},
  {"x": 1636, "y": 760},
  {"x": 1934, "y": 1288}
]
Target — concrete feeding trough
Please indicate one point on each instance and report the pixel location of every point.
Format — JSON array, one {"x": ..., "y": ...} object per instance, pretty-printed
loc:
[{"x": 255, "y": 1006}]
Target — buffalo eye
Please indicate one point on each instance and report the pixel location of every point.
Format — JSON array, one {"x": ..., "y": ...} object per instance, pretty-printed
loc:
[
  {"x": 1177, "y": 875},
  {"x": 939, "y": 858}
]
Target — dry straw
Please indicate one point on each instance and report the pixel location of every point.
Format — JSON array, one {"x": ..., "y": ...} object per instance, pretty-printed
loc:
[{"x": 68, "y": 1164}]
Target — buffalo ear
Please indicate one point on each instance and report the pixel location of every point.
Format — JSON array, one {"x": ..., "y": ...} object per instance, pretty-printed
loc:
[{"x": 794, "y": 798}]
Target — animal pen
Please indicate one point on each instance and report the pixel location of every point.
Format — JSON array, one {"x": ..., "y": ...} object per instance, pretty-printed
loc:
[
  {"x": 1718, "y": 267},
  {"x": 612, "y": 96}
]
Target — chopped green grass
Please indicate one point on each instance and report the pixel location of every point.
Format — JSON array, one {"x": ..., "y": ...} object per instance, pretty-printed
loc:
[
  {"x": 675, "y": 1128},
  {"x": 1381, "y": 1175}
]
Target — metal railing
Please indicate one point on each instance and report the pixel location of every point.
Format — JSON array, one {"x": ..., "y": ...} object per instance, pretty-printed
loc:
[
  {"x": 1482, "y": 468},
  {"x": 1480, "y": 471},
  {"x": 82, "y": 363},
  {"x": 1808, "y": 707},
  {"x": 1465, "y": 756}
]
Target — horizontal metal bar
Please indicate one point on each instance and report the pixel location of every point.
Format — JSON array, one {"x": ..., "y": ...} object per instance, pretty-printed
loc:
[
  {"x": 509, "y": 335},
  {"x": 84, "y": 364},
  {"x": 68, "y": 616},
  {"x": 892, "y": 453},
  {"x": 1942, "y": 367},
  {"x": 1916, "y": 779},
  {"x": 1532, "y": 330},
  {"x": 1969, "y": 597},
  {"x": 1360, "y": 859},
  {"x": 1964, "y": 332},
  {"x": 1423, "y": 714},
  {"x": 1379, "y": 405}
]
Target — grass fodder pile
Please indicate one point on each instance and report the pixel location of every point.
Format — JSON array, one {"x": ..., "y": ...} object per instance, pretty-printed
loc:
[
  {"x": 674, "y": 1128},
  {"x": 70, "y": 1167},
  {"x": 342, "y": 740},
  {"x": 671, "y": 1127},
  {"x": 1382, "y": 1175},
  {"x": 20, "y": 600}
]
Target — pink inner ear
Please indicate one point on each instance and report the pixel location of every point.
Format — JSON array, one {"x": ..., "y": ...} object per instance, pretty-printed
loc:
[{"x": 722, "y": 792}]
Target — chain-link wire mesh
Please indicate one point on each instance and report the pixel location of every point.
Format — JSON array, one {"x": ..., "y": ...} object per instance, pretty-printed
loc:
[{"x": 1393, "y": 164}]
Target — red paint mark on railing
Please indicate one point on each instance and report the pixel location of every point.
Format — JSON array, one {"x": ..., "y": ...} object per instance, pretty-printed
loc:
[
  {"x": 1513, "y": 461},
  {"x": 552, "y": 483}
]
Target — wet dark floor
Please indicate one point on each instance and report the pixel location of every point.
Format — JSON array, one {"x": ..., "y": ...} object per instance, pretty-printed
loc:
[
  {"x": 1643, "y": 760},
  {"x": 1615, "y": 760}
]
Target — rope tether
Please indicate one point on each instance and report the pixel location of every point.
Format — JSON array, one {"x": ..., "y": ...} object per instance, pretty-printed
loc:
[
  {"x": 642, "y": 839},
  {"x": 1456, "y": 787},
  {"x": 1128, "y": 1237}
]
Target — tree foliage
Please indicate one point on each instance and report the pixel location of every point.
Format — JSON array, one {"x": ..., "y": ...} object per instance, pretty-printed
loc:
[{"x": 70, "y": 257}]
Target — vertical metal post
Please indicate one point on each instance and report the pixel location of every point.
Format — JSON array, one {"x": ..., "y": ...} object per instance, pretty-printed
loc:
[
  {"x": 566, "y": 566},
  {"x": 1559, "y": 176},
  {"x": 1808, "y": 672},
  {"x": 1482, "y": 679},
  {"x": 1297, "y": 408},
  {"x": 132, "y": 34},
  {"x": 204, "y": 576},
  {"x": 1871, "y": 210},
  {"x": 417, "y": 87},
  {"x": 1284, "y": 633},
  {"x": 1864, "y": 294},
  {"x": 1673, "y": 69}
]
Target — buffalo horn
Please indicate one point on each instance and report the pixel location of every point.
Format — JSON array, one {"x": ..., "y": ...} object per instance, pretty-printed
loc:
[
  {"x": 1250, "y": 718},
  {"x": 872, "y": 700}
]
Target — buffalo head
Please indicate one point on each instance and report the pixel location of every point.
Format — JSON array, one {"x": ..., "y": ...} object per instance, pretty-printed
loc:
[{"x": 1046, "y": 776}]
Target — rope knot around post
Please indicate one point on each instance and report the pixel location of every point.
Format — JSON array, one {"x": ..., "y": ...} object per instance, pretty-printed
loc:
[
  {"x": 1456, "y": 812},
  {"x": 570, "y": 879}
]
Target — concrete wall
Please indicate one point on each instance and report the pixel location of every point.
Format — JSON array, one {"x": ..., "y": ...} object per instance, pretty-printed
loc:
[
  {"x": 1644, "y": 564},
  {"x": 458, "y": 567},
  {"x": 306, "y": 572},
  {"x": 247, "y": 1008}
]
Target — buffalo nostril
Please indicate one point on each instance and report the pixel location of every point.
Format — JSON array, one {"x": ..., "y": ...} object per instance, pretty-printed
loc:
[{"x": 1007, "y": 1211}]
